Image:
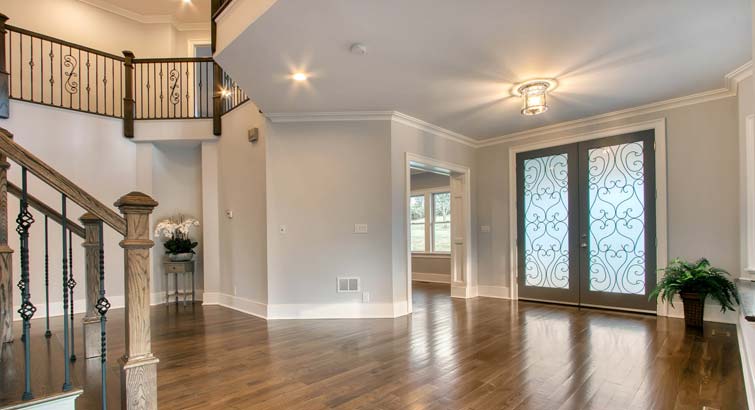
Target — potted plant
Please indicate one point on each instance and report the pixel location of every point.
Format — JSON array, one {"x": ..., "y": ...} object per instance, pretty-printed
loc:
[
  {"x": 694, "y": 281},
  {"x": 178, "y": 246}
]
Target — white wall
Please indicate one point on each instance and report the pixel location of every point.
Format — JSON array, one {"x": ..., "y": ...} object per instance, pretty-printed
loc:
[
  {"x": 242, "y": 187},
  {"x": 324, "y": 178},
  {"x": 405, "y": 138},
  {"x": 78, "y": 22},
  {"x": 746, "y": 107},
  {"x": 177, "y": 185},
  {"x": 89, "y": 150},
  {"x": 703, "y": 188}
]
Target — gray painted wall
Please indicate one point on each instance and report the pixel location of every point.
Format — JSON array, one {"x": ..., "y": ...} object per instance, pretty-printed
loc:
[
  {"x": 326, "y": 177},
  {"x": 703, "y": 189},
  {"x": 242, "y": 186}
]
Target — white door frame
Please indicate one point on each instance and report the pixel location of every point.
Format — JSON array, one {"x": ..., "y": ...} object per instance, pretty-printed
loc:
[
  {"x": 462, "y": 283},
  {"x": 661, "y": 223}
]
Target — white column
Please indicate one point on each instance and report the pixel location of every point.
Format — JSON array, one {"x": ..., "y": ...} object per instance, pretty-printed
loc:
[{"x": 211, "y": 221}]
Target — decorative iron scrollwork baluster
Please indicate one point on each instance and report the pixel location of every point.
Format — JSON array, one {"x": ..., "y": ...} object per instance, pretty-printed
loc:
[
  {"x": 48, "y": 333},
  {"x": 23, "y": 222},
  {"x": 71, "y": 284},
  {"x": 66, "y": 347},
  {"x": 102, "y": 307},
  {"x": 70, "y": 63}
]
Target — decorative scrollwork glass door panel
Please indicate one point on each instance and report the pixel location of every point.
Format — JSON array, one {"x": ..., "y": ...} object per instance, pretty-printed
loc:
[
  {"x": 586, "y": 222},
  {"x": 546, "y": 222},
  {"x": 547, "y": 205},
  {"x": 616, "y": 179}
]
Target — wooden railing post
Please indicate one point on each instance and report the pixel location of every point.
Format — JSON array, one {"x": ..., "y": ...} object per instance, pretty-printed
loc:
[
  {"x": 217, "y": 98},
  {"x": 6, "y": 271},
  {"x": 139, "y": 366},
  {"x": 128, "y": 95},
  {"x": 91, "y": 246},
  {"x": 4, "y": 75}
]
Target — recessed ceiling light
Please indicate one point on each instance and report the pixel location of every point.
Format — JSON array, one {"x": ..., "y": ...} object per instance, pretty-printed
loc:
[
  {"x": 187, "y": 1},
  {"x": 299, "y": 77}
]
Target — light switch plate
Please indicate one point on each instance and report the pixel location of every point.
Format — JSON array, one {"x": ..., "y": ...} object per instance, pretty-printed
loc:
[
  {"x": 485, "y": 228},
  {"x": 283, "y": 229},
  {"x": 361, "y": 228}
]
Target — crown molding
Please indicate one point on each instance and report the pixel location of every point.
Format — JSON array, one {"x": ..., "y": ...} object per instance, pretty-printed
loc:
[
  {"x": 396, "y": 116},
  {"x": 146, "y": 18},
  {"x": 731, "y": 81}
]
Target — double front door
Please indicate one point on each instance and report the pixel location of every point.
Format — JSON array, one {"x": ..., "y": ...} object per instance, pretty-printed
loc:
[{"x": 586, "y": 222}]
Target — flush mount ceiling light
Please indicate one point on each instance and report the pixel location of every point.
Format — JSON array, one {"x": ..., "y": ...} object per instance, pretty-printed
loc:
[
  {"x": 534, "y": 95},
  {"x": 299, "y": 77},
  {"x": 187, "y": 1}
]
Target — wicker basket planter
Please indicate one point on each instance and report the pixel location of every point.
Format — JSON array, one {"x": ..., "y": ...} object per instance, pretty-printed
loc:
[{"x": 694, "y": 304}]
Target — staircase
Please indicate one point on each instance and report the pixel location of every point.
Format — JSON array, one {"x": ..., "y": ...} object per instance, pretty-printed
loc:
[{"x": 40, "y": 366}]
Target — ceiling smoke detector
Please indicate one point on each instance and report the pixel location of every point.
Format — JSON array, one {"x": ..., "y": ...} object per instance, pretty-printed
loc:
[{"x": 358, "y": 49}]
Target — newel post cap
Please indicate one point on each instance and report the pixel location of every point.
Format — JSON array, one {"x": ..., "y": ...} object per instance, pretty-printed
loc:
[
  {"x": 136, "y": 201},
  {"x": 3, "y": 18},
  {"x": 89, "y": 218}
]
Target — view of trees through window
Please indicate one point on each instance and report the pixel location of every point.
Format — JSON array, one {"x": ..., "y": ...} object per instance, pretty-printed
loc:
[{"x": 430, "y": 216}]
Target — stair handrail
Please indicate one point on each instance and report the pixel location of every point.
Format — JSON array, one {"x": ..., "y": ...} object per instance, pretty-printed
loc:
[
  {"x": 55, "y": 179},
  {"x": 46, "y": 210}
]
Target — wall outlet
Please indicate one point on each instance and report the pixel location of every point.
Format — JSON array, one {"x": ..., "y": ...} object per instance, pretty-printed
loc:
[
  {"x": 361, "y": 228},
  {"x": 283, "y": 229},
  {"x": 234, "y": 291},
  {"x": 365, "y": 297}
]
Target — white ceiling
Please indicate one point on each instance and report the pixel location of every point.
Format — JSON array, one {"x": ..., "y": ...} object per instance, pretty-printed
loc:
[
  {"x": 198, "y": 11},
  {"x": 452, "y": 63}
]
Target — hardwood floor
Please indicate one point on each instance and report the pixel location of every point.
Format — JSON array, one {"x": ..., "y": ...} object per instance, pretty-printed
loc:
[{"x": 450, "y": 354}]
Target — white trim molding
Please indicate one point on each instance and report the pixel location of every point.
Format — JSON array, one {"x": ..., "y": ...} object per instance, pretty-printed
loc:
[
  {"x": 396, "y": 116},
  {"x": 661, "y": 227},
  {"x": 147, "y": 18},
  {"x": 731, "y": 84},
  {"x": 749, "y": 182},
  {"x": 243, "y": 305},
  {"x": 431, "y": 277},
  {"x": 731, "y": 80},
  {"x": 498, "y": 292},
  {"x": 334, "y": 311}
]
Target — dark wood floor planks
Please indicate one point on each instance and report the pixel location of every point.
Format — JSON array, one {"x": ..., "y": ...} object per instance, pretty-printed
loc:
[{"x": 450, "y": 354}]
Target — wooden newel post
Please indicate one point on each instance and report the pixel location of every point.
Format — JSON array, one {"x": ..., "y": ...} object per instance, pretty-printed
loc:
[
  {"x": 217, "y": 99},
  {"x": 92, "y": 340},
  {"x": 139, "y": 366},
  {"x": 129, "y": 105},
  {"x": 4, "y": 75}
]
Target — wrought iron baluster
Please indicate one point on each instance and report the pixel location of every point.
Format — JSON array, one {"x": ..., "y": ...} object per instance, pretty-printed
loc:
[
  {"x": 71, "y": 284},
  {"x": 48, "y": 333},
  {"x": 27, "y": 309},
  {"x": 66, "y": 347},
  {"x": 102, "y": 307},
  {"x": 52, "y": 74}
]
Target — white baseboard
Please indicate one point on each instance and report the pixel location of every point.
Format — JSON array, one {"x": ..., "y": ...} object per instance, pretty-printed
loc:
[
  {"x": 158, "y": 298},
  {"x": 746, "y": 341},
  {"x": 463, "y": 292},
  {"x": 57, "y": 401},
  {"x": 711, "y": 313},
  {"x": 499, "y": 292},
  {"x": 336, "y": 311},
  {"x": 56, "y": 308},
  {"x": 243, "y": 305},
  {"x": 431, "y": 277},
  {"x": 79, "y": 305}
]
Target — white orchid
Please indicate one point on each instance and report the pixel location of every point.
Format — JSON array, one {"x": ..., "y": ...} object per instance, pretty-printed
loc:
[{"x": 175, "y": 227}]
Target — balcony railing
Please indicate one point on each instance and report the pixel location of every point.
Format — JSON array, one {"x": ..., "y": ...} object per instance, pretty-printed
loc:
[{"x": 45, "y": 70}]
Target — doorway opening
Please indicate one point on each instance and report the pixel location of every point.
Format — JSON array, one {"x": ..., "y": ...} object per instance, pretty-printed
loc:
[
  {"x": 438, "y": 223},
  {"x": 586, "y": 218}
]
